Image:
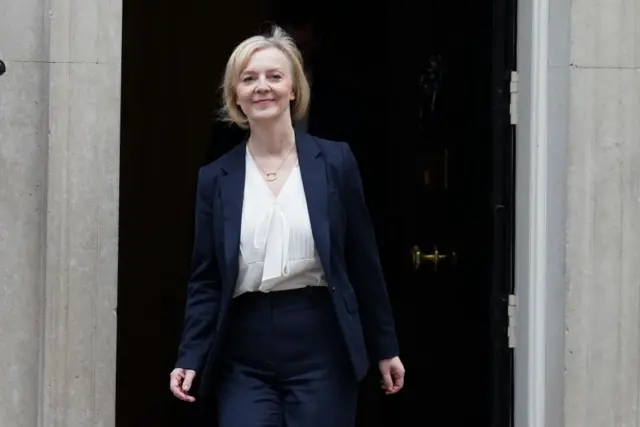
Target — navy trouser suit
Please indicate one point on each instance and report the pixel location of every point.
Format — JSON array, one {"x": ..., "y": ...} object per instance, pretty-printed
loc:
[{"x": 287, "y": 358}]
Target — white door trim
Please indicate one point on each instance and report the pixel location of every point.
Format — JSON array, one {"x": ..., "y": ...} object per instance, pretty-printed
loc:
[{"x": 531, "y": 213}]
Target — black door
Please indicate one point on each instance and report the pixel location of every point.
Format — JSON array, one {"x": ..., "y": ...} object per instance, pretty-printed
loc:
[
  {"x": 420, "y": 90},
  {"x": 435, "y": 149}
]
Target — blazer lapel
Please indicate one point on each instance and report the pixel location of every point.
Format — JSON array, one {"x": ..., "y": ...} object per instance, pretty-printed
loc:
[
  {"x": 232, "y": 194},
  {"x": 314, "y": 180}
]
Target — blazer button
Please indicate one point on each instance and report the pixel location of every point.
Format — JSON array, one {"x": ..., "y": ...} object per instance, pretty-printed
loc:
[{"x": 333, "y": 289}]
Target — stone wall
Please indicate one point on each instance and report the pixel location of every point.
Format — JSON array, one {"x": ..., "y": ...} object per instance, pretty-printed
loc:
[
  {"x": 59, "y": 166},
  {"x": 602, "y": 351},
  {"x": 23, "y": 193}
]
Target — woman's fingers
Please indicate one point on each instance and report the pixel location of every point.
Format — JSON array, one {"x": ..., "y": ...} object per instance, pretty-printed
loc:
[
  {"x": 188, "y": 380},
  {"x": 180, "y": 381}
]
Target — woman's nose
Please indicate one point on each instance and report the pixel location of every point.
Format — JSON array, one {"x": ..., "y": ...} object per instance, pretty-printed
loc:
[{"x": 262, "y": 85}]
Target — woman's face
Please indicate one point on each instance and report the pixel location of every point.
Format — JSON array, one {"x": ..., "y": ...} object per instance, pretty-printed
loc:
[{"x": 265, "y": 86}]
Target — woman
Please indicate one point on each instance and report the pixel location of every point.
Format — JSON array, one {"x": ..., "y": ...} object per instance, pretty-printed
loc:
[{"x": 287, "y": 299}]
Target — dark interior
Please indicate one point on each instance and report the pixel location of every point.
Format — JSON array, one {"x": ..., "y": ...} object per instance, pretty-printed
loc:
[{"x": 426, "y": 153}]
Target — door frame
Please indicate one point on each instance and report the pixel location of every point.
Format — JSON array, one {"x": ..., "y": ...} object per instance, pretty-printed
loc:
[{"x": 540, "y": 211}]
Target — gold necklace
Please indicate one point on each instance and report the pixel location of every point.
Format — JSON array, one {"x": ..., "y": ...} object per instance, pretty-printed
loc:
[{"x": 271, "y": 176}]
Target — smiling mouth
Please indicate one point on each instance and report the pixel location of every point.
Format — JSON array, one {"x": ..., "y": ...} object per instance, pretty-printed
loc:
[{"x": 263, "y": 101}]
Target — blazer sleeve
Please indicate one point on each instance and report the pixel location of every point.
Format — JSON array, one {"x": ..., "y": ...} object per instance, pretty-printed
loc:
[
  {"x": 364, "y": 267},
  {"x": 203, "y": 288}
]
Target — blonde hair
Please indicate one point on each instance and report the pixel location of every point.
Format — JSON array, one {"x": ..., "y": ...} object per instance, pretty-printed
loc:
[{"x": 238, "y": 61}]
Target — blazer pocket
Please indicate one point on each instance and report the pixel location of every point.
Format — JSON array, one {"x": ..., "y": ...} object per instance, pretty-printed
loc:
[{"x": 351, "y": 302}]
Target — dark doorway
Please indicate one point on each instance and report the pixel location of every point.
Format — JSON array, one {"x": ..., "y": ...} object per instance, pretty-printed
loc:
[{"x": 420, "y": 91}]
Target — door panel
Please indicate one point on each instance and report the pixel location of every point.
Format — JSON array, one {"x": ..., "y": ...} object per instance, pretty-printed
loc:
[{"x": 444, "y": 244}]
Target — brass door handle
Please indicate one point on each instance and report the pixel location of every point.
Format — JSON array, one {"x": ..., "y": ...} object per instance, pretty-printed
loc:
[{"x": 434, "y": 257}]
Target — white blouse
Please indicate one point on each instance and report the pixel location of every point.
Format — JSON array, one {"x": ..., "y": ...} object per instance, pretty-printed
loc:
[{"x": 277, "y": 250}]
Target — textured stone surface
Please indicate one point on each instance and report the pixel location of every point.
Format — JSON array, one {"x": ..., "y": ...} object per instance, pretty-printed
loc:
[
  {"x": 82, "y": 232},
  {"x": 605, "y": 33},
  {"x": 23, "y": 108},
  {"x": 603, "y": 249},
  {"x": 59, "y": 170},
  {"x": 22, "y": 209},
  {"x": 602, "y": 354},
  {"x": 86, "y": 31},
  {"x": 23, "y": 31}
]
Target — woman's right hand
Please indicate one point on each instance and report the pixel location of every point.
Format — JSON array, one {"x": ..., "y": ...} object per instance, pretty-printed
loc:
[{"x": 180, "y": 383}]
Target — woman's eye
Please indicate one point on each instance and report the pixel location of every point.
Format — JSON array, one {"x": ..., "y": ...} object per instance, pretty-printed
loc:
[
  {"x": 247, "y": 78},
  {"x": 276, "y": 76}
]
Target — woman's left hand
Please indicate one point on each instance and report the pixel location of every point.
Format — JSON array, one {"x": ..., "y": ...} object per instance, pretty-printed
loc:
[{"x": 392, "y": 371}]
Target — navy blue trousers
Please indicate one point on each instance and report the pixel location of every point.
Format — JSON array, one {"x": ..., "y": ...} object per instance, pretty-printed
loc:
[{"x": 284, "y": 363}]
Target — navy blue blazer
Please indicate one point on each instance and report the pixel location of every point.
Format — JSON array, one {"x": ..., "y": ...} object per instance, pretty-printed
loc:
[{"x": 344, "y": 240}]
